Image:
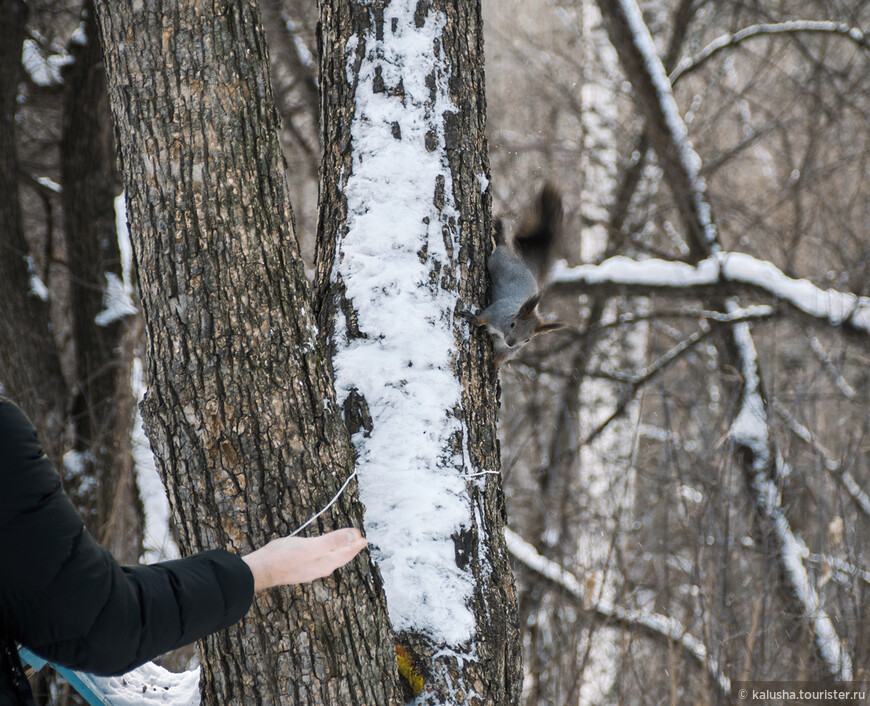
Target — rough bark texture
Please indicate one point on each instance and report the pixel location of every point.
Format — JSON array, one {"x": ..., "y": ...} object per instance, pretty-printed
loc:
[
  {"x": 492, "y": 673},
  {"x": 239, "y": 405},
  {"x": 103, "y": 405},
  {"x": 30, "y": 370}
]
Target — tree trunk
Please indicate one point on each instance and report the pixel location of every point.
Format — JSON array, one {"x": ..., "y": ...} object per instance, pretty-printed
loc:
[
  {"x": 408, "y": 77},
  {"x": 103, "y": 407},
  {"x": 30, "y": 370},
  {"x": 240, "y": 408}
]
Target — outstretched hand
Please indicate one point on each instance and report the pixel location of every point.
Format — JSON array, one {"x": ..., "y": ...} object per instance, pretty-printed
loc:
[{"x": 291, "y": 560}]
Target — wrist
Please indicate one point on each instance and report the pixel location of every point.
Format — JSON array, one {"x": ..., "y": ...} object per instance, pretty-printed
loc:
[{"x": 260, "y": 569}]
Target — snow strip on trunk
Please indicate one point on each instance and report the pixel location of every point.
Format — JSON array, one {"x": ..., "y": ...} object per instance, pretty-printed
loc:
[{"x": 391, "y": 262}]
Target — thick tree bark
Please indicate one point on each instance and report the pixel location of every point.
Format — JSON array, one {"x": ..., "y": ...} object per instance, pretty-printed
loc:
[
  {"x": 103, "y": 405},
  {"x": 455, "y": 211},
  {"x": 239, "y": 407},
  {"x": 30, "y": 370}
]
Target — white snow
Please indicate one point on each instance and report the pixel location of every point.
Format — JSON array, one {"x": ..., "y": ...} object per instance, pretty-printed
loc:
[
  {"x": 689, "y": 158},
  {"x": 79, "y": 35},
  {"x": 118, "y": 295},
  {"x": 37, "y": 286},
  {"x": 832, "y": 370},
  {"x": 750, "y": 430},
  {"x": 729, "y": 40},
  {"x": 48, "y": 183},
  {"x": 150, "y": 684},
  {"x": 117, "y": 301},
  {"x": 750, "y": 427},
  {"x": 43, "y": 71},
  {"x": 483, "y": 182},
  {"x": 73, "y": 466},
  {"x": 390, "y": 261},
  {"x": 158, "y": 543},
  {"x": 124, "y": 244}
]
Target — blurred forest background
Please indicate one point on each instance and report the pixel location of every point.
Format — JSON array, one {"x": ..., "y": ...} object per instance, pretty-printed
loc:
[{"x": 617, "y": 435}]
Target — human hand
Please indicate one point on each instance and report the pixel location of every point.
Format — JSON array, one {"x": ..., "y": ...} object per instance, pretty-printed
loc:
[{"x": 290, "y": 560}]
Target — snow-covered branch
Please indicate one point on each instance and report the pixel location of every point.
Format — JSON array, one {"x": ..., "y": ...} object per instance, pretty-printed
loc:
[
  {"x": 836, "y": 376},
  {"x": 652, "y": 624},
  {"x": 837, "y": 308},
  {"x": 725, "y": 41},
  {"x": 843, "y": 571},
  {"x": 665, "y": 125}
]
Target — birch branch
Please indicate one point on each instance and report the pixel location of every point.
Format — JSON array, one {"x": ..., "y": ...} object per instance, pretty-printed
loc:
[{"x": 725, "y": 41}]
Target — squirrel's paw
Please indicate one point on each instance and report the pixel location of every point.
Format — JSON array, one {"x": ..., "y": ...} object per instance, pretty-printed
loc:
[{"x": 476, "y": 319}]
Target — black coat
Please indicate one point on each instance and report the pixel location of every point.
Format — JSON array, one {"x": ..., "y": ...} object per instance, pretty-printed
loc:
[{"x": 64, "y": 596}]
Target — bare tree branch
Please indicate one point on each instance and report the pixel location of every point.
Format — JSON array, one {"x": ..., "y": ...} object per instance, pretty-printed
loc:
[
  {"x": 667, "y": 131},
  {"x": 750, "y": 434},
  {"x": 654, "y": 625},
  {"x": 832, "y": 465},
  {"x": 725, "y": 41}
]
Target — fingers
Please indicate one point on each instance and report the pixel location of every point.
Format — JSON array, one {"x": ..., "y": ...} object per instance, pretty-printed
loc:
[
  {"x": 345, "y": 545},
  {"x": 342, "y": 555},
  {"x": 341, "y": 538},
  {"x": 291, "y": 560}
]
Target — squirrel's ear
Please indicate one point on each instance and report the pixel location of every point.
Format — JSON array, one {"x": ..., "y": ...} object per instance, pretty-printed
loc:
[
  {"x": 550, "y": 326},
  {"x": 528, "y": 307}
]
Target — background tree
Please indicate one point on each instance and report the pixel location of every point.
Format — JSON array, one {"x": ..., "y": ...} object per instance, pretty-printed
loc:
[
  {"x": 240, "y": 407},
  {"x": 664, "y": 529}
]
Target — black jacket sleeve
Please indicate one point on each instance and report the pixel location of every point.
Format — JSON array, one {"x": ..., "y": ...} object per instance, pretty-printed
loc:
[{"x": 67, "y": 599}]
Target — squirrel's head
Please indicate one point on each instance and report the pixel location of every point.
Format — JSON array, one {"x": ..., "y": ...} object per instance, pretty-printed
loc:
[{"x": 526, "y": 324}]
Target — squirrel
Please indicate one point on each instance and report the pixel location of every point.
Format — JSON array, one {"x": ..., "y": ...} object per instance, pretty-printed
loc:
[{"x": 518, "y": 271}]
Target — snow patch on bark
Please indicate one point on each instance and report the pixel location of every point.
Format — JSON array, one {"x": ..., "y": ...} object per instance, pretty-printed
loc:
[{"x": 394, "y": 262}]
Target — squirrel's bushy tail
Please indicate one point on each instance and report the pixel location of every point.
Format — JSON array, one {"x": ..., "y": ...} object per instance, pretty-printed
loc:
[{"x": 535, "y": 239}]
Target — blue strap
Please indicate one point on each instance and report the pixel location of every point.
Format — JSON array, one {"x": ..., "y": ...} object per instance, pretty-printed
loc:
[{"x": 82, "y": 682}]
